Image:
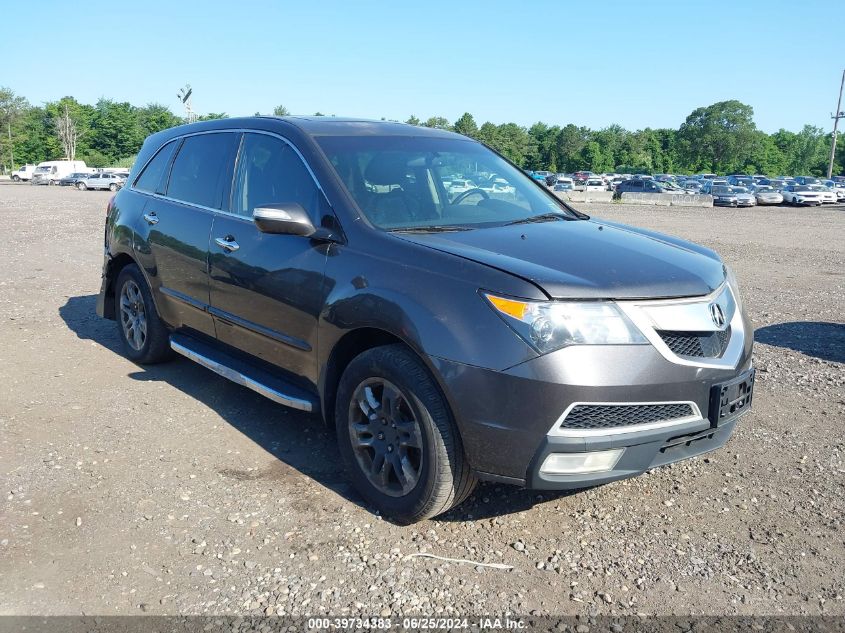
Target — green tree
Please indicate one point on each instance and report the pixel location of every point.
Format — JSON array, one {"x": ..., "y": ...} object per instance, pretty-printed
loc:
[
  {"x": 115, "y": 129},
  {"x": 155, "y": 117},
  {"x": 12, "y": 108},
  {"x": 280, "y": 110},
  {"x": 569, "y": 144},
  {"x": 439, "y": 122},
  {"x": 466, "y": 125},
  {"x": 718, "y": 137},
  {"x": 412, "y": 120},
  {"x": 213, "y": 116}
]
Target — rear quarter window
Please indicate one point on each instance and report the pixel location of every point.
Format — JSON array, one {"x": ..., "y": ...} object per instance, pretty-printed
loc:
[{"x": 151, "y": 179}]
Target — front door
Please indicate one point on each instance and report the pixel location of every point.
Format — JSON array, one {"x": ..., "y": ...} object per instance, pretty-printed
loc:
[{"x": 267, "y": 290}]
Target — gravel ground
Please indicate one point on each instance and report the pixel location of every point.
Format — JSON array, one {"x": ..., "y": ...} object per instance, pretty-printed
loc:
[{"x": 170, "y": 490}]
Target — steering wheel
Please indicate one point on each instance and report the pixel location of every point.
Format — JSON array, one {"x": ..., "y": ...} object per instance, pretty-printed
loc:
[{"x": 466, "y": 194}]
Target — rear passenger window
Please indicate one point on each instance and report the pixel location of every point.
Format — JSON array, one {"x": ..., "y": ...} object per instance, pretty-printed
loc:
[
  {"x": 202, "y": 170},
  {"x": 271, "y": 172},
  {"x": 151, "y": 179}
]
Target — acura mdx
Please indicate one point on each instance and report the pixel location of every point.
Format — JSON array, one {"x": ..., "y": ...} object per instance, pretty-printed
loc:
[{"x": 447, "y": 335}]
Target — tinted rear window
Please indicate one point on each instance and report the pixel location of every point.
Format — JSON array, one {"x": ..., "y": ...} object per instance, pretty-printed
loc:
[
  {"x": 202, "y": 170},
  {"x": 152, "y": 176}
]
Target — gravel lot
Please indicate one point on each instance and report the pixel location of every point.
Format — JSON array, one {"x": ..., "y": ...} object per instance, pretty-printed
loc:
[{"x": 170, "y": 490}]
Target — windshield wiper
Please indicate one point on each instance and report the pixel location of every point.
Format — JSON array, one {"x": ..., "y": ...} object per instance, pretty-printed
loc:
[
  {"x": 435, "y": 228},
  {"x": 544, "y": 217}
]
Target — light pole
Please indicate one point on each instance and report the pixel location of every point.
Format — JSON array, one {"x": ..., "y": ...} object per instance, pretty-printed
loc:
[
  {"x": 839, "y": 115},
  {"x": 184, "y": 96}
]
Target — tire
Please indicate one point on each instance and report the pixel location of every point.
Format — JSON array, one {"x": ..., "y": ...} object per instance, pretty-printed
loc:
[
  {"x": 51, "y": 182},
  {"x": 145, "y": 338},
  {"x": 16, "y": 178},
  {"x": 112, "y": 187},
  {"x": 81, "y": 186},
  {"x": 443, "y": 476}
]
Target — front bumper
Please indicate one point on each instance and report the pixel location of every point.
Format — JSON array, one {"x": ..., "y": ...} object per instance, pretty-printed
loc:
[{"x": 508, "y": 419}]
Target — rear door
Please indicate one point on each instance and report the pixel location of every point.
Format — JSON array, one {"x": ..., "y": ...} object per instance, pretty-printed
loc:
[
  {"x": 267, "y": 290},
  {"x": 185, "y": 183}
]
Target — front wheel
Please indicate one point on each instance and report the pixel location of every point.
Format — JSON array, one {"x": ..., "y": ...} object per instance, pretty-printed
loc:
[
  {"x": 112, "y": 187},
  {"x": 81, "y": 186},
  {"x": 16, "y": 178},
  {"x": 397, "y": 438},
  {"x": 145, "y": 338}
]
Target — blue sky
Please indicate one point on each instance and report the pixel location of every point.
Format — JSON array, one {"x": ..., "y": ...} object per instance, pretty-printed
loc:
[{"x": 639, "y": 64}]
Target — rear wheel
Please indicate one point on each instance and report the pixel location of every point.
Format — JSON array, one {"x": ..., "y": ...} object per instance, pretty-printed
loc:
[
  {"x": 16, "y": 178},
  {"x": 145, "y": 338},
  {"x": 112, "y": 187},
  {"x": 397, "y": 437}
]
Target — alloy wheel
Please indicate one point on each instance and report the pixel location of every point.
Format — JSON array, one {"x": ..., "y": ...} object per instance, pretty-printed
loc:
[
  {"x": 133, "y": 315},
  {"x": 386, "y": 437}
]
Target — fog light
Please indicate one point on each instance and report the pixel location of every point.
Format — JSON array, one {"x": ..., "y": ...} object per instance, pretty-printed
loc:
[{"x": 581, "y": 463}]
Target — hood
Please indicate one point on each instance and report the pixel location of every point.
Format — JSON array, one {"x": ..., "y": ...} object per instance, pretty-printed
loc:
[{"x": 587, "y": 259}]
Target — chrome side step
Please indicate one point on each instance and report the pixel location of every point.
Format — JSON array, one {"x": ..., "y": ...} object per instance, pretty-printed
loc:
[{"x": 243, "y": 374}]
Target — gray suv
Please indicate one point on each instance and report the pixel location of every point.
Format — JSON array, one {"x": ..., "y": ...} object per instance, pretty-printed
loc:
[{"x": 447, "y": 336}]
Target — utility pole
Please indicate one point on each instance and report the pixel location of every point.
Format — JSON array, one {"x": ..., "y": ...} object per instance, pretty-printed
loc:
[
  {"x": 185, "y": 97},
  {"x": 839, "y": 115}
]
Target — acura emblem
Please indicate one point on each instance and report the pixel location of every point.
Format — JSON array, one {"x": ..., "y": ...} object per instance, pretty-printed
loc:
[{"x": 717, "y": 314}]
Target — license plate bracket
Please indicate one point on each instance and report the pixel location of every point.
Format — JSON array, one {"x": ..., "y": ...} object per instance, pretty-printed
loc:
[{"x": 729, "y": 400}]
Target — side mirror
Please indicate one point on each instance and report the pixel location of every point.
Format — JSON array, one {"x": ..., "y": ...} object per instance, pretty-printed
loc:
[{"x": 288, "y": 218}]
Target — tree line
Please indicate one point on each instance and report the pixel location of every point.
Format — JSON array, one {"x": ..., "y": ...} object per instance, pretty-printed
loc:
[{"x": 720, "y": 138}]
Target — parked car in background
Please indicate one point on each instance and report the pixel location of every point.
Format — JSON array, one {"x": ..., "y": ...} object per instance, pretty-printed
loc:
[
  {"x": 460, "y": 186},
  {"x": 827, "y": 194},
  {"x": 595, "y": 184},
  {"x": 740, "y": 180},
  {"x": 71, "y": 180},
  {"x": 764, "y": 194},
  {"x": 801, "y": 195},
  {"x": 51, "y": 172},
  {"x": 637, "y": 185},
  {"x": 563, "y": 184},
  {"x": 692, "y": 186},
  {"x": 723, "y": 196},
  {"x": 837, "y": 187},
  {"x": 806, "y": 180},
  {"x": 744, "y": 196},
  {"x": 23, "y": 174},
  {"x": 102, "y": 180}
]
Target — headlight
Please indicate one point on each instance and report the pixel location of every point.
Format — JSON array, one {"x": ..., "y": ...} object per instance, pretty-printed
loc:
[
  {"x": 731, "y": 279},
  {"x": 551, "y": 325}
]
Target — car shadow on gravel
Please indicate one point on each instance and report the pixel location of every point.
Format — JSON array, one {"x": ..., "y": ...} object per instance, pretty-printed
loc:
[
  {"x": 821, "y": 339},
  {"x": 299, "y": 441}
]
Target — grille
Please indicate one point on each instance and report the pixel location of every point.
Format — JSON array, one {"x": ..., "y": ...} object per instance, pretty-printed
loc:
[
  {"x": 696, "y": 344},
  {"x": 608, "y": 416}
]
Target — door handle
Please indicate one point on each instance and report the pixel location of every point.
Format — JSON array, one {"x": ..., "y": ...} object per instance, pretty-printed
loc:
[
  {"x": 151, "y": 217},
  {"x": 227, "y": 243}
]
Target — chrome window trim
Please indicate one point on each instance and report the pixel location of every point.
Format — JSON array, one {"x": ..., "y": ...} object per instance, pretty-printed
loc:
[
  {"x": 636, "y": 311},
  {"x": 240, "y": 130},
  {"x": 557, "y": 431}
]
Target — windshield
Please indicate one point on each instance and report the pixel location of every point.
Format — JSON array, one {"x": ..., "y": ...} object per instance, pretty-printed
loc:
[
  {"x": 721, "y": 190},
  {"x": 399, "y": 182},
  {"x": 765, "y": 190},
  {"x": 739, "y": 190}
]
